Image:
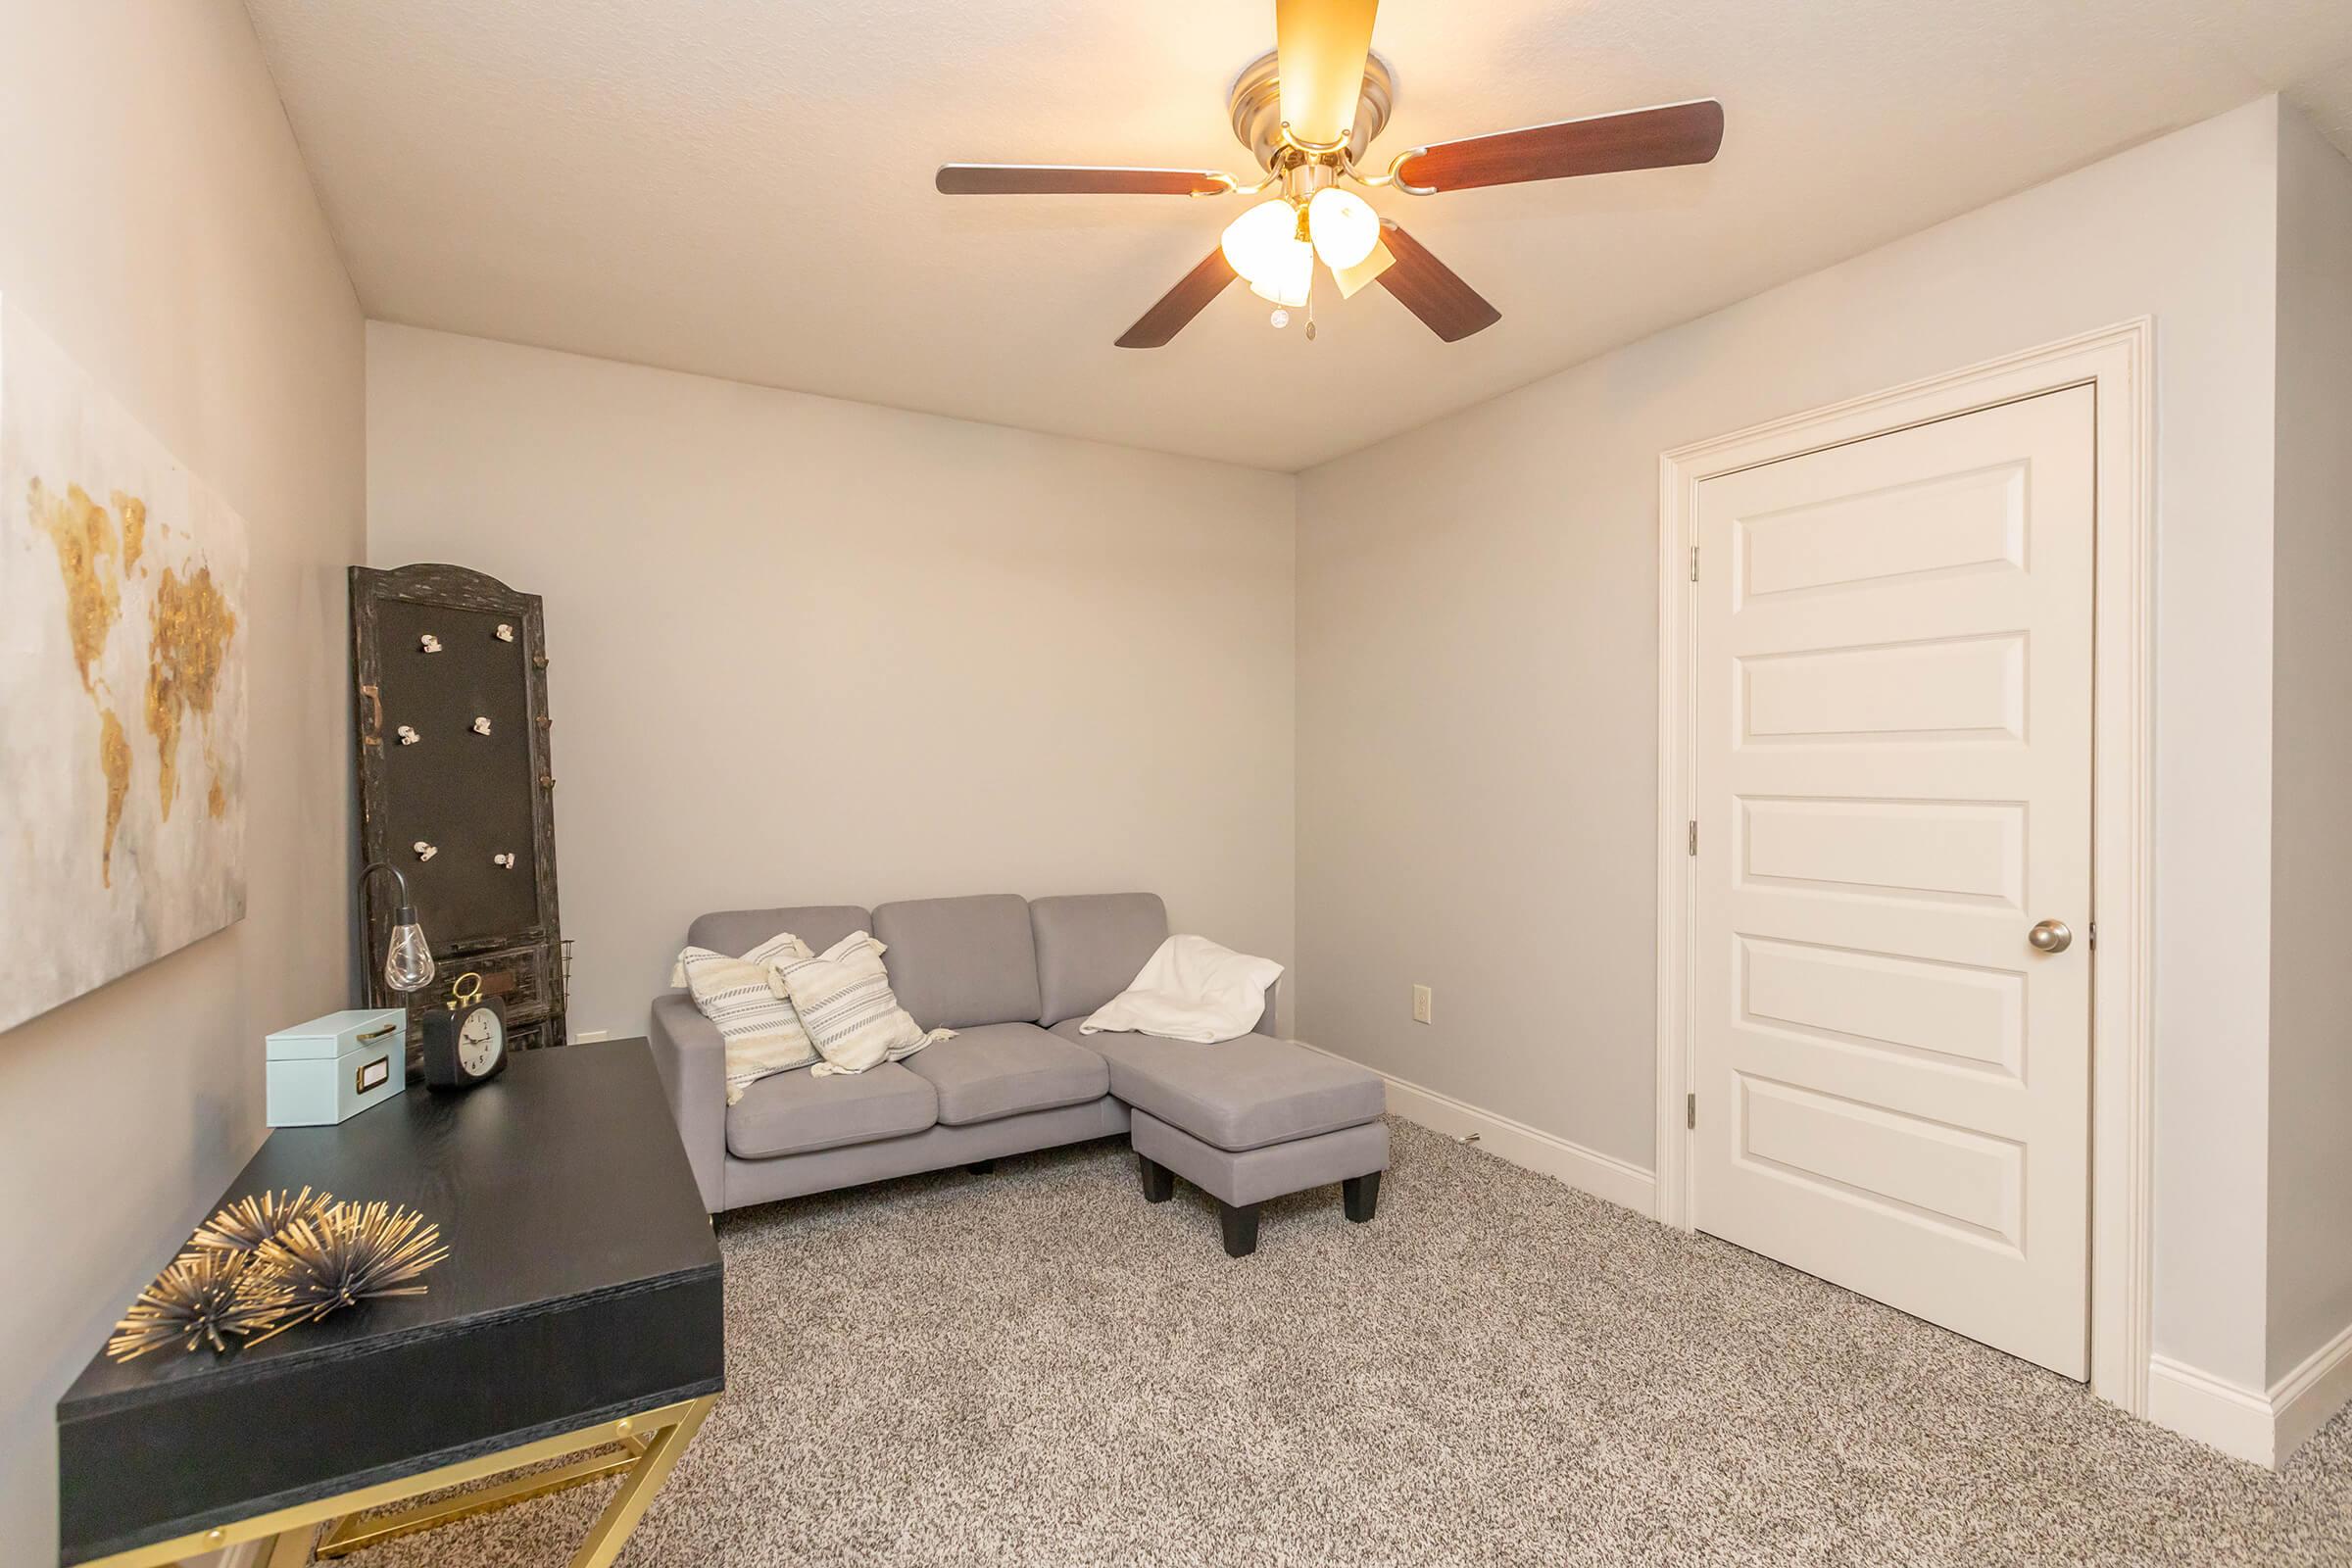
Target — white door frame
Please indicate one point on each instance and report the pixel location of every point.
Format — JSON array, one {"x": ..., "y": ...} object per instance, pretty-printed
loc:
[{"x": 2116, "y": 363}]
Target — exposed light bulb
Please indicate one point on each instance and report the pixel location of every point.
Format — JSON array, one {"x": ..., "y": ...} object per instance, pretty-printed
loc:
[
  {"x": 408, "y": 962},
  {"x": 1343, "y": 226},
  {"x": 1256, "y": 242}
]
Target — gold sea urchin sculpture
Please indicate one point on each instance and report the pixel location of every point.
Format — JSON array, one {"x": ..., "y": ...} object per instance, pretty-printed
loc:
[
  {"x": 202, "y": 1299},
  {"x": 261, "y": 1265},
  {"x": 246, "y": 1224},
  {"x": 346, "y": 1254}
]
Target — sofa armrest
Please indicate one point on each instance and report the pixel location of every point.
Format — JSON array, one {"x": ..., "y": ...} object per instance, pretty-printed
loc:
[
  {"x": 1269, "y": 1023},
  {"x": 692, "y": 1060}
]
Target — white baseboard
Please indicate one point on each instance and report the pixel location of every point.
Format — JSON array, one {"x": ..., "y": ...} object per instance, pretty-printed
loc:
[
  {"x": 1588, "y": 1170},
  {"x": 2197, "y": 1404},
  {"x": 2304, "y": 1398},
  {"x": 2265, "y": 1427}
]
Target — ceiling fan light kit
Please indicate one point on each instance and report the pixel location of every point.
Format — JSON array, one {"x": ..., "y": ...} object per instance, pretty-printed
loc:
[
  {"x": 1352, "y": 278},
  {"x": 1264, "y": 247},
  {"x": 1308, "y": 110},
  {"x": 1344, "y": 227}
]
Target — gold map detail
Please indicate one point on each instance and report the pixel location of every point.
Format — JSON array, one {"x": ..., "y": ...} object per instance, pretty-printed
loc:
[
  {"x": 114, "y": 760},
  {"x": 193, "y": 624},
  {"x": 188, "y": 642},
  {"x": 133, "y": 512},
  {"x": 89, "y": 561}
]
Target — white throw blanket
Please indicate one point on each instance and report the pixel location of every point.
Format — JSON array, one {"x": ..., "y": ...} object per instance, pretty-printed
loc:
[{"x": 1191, "y": 989}]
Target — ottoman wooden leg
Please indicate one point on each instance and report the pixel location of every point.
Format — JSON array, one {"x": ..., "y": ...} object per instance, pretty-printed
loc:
[
  {"x": 1240, "y": 1221},
  {"x": 1360, "y": 1194},
  {"x": 1159, "y": 1182}
]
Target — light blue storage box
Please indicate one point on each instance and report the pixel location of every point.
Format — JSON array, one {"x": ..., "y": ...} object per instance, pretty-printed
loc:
[{"x": 332, "y": 1068}]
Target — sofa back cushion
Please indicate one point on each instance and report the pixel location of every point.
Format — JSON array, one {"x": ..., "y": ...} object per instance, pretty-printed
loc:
[
  {"x": 957, "y": 964},
  {"x": 820, "y": 925},
  {"x": 1089, "y": 945}
]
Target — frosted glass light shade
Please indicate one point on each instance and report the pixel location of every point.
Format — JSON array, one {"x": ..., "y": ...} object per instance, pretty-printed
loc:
[
  {"x": 1343, "y": 226},
  {"x": 1289, "y": 274},
  {"x": 408, "y": 962},
  {"x": 1257, "y": 243},
  {"x": 1363, "y": 272}
]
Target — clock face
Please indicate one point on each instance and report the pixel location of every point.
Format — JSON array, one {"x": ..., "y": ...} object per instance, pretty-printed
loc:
[{"x": 481, "y": 1040}]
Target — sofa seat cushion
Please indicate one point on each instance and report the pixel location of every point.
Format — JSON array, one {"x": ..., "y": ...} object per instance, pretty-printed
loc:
[
  {"x": 798, "y": 1112},
  {"x": 1001, "y": 1069},
  {"x": 1236, "y": 1094}
]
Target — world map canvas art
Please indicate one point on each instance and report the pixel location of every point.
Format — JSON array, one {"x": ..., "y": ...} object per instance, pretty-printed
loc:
[{"x": 122, "y": 658}]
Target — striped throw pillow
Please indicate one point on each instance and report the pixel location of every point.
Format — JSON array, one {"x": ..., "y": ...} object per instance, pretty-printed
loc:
[
  {"x": 843, "y": 999},
  {"x": 763, "y": 1033}
]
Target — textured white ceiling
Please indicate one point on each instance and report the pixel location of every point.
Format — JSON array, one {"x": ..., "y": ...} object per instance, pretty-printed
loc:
[{"x": 743, "y": 187}]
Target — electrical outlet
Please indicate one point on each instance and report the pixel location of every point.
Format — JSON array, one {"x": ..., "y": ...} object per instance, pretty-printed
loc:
[
  {"x": 1420, "y": 1004},
  {"x": 586, "y": 1035}
]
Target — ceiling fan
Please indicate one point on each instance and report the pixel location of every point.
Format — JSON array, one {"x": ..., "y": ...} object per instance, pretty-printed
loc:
[{"x": 1307, "y": 111}]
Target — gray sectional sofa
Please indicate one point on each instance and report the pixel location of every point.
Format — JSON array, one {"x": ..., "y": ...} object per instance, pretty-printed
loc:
[{"x": 1245, "y": 1120}]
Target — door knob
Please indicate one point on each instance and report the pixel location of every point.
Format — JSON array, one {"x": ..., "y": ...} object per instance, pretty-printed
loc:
[{"x": 2051, "y": 936}]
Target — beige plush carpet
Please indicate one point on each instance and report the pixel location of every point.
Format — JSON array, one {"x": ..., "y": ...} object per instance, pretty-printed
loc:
[{"x": 1036, "y": 1368}]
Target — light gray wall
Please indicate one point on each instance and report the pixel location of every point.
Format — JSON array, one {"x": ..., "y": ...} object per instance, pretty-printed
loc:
[
  {"x": 1477, "y": 677},
  {"x": 156, "y": 222},
  {"x": 2311, "y": 856},
  {"x": 807, "y": 651}
]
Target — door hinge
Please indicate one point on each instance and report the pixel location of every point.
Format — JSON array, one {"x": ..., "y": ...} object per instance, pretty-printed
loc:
[
  {"x": 1694, "y": 563},
  {"x": 2095, "y": 935},
  {"x": 1690, "y": 1110},
  {"x": 1695, "y": 835}
]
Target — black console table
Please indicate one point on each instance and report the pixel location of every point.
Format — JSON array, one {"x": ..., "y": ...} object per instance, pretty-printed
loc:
[{"x": 577, "y": 1314}]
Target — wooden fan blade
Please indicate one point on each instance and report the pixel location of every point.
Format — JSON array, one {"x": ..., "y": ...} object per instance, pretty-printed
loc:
[
  {"x": 1322, "y": 45},
  {"x": 1429, "y": 288},
  {"x": 1071, "y": 179},
  {"x": 1179, "y": 305},
  {"x": 1603, "y": 144}
]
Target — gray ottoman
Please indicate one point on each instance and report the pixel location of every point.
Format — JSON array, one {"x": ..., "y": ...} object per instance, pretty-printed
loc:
[
  {"x": 1249, "y": 1119},
  {"x": 1239, "y": 1180},
  {"x": 1243, "y": 1120}
]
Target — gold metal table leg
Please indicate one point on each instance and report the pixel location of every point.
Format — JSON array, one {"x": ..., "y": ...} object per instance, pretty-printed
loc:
[
  {"x": 292, "y": 1549},
  {"x": 349, "y": 1535},
  {"x": 619, "y": 1518},
  {"x": 650, "y": 1445}
]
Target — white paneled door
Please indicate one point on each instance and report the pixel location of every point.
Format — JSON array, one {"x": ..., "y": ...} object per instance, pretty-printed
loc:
[{"x": 1893, "y": 946}]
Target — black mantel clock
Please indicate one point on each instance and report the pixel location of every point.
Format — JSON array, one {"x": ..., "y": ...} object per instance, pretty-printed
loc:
[
  {"x": 466, "y": 1040},
  {"x": 457, "y": 788}
]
